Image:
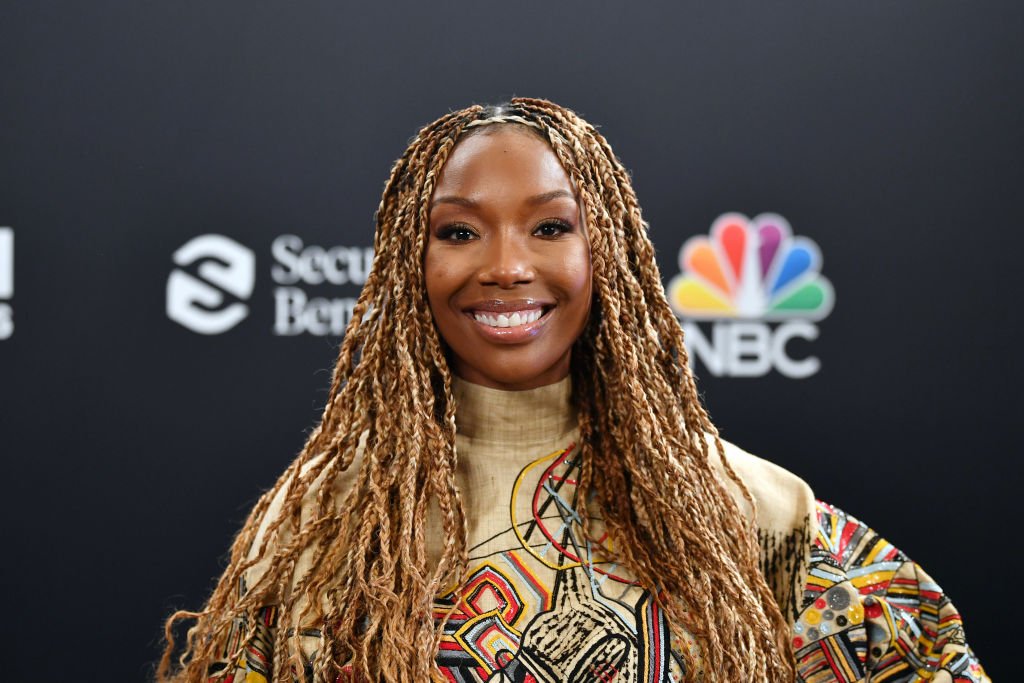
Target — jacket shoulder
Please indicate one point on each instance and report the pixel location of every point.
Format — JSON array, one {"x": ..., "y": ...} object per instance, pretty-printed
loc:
[
  {"x": 783, "y": 498},
  {"x": 786, "y": 520}
]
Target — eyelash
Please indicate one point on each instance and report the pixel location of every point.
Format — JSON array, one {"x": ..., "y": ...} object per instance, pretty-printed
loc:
[
  {"x": 448, "y": 232},
  {"x": 562, "y": 226}
]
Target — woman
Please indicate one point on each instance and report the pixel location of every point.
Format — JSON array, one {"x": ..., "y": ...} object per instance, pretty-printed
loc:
[{"x": 514, "y": 478}]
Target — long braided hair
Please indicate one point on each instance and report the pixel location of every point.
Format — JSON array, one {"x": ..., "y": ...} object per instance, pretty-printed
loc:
[{"x": 645, "y": 443}]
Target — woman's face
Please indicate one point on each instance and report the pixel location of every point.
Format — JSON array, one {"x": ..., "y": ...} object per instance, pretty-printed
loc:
[{"x": 508, "y": 261}]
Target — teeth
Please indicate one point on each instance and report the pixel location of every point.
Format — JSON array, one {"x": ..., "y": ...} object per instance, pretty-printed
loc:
[{"x": 514, "y": 320}]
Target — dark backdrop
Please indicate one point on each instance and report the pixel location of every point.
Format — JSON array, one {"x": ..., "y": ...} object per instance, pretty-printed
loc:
[{"x": 887, "y": 133}]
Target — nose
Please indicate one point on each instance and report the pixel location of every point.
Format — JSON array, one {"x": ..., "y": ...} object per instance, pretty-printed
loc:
[{"x": 506, "y": 263}]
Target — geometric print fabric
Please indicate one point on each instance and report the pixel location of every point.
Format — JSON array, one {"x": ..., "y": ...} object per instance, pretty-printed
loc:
[{"x": 871, "y": 613}]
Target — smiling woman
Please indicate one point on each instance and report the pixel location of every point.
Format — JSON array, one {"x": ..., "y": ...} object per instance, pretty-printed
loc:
[
  {"x": 508, "y": 261},
  {"x": 514, "y": 478}
]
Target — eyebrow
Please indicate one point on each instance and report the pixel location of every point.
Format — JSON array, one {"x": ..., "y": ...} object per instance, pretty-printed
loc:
[{"x": 535, "y": 200}]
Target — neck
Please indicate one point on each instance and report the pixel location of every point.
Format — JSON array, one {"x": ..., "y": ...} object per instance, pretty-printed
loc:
[{"x": 523, "y": 417}]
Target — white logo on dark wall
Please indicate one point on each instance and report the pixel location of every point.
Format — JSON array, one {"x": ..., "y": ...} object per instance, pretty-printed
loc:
[
  {"x": 296, "y": 263},
  {"x": 6, "y": 282},
  {"x": 200, "y": 303},
  {"x": 301, "y": 272}
]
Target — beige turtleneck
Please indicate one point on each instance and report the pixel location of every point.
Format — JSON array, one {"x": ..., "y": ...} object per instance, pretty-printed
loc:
[{"x": 499, "y": 433}]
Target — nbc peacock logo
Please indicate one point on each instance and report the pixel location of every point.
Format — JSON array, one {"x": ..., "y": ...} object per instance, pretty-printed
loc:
[{"x": 745, "y": 291}]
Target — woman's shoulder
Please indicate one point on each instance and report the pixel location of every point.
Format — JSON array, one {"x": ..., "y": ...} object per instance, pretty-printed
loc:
[
  {"x": 786, "y": 520},
  {"x": 274, "y": 533},
  {"x": 784, "y": 500}
]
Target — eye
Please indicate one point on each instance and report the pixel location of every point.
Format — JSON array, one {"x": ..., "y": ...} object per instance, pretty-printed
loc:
[
  {"x": 552, "y": 228},
  {"x": 456, "y": 233}
]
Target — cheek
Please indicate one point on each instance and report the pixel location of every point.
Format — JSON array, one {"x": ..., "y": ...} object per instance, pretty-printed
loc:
[
  {"x": 436, "y": 278},
  {"x": 579, "y": 280},
  {"x": 441, "y": 282}
]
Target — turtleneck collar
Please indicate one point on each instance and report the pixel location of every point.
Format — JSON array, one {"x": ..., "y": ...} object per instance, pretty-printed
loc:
[{"x": 523, "y": 418}]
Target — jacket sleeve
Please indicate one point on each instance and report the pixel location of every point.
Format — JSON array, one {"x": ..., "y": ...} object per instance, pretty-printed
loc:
[{"x": 869, "y": 613}]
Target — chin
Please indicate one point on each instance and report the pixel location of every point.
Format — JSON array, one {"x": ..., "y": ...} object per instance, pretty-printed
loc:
[{"x": 515, "y": 376}]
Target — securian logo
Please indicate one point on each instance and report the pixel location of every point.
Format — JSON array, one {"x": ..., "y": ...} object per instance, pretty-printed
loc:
[
  {"x": 216, "y": 276},
  {"x": 744, "y": 272},
  {"x": 199, "y": 301},
  {"x": 6, "y": 281}
]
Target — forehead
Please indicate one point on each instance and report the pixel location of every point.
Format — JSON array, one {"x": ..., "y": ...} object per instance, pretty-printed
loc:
[{"x": 508, "y": 160}]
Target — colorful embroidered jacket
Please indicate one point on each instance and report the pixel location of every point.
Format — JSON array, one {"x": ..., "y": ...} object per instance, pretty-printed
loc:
[{"x": 542, "y": 606}]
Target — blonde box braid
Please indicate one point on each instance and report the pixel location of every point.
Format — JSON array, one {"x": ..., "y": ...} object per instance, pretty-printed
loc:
[{"x": 369, "y": 588}]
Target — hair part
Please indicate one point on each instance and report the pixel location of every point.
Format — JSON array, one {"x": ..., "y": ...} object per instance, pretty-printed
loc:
[{"x": 645, "y": 442}]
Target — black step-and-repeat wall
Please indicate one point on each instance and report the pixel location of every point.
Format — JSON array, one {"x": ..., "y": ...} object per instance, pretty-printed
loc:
[{"x": 186, "y": 200}]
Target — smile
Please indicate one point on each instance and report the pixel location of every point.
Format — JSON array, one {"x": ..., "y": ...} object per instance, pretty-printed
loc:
[
  {"x": 510, "y": 319},
  {"x": 510, "y": 322}
]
